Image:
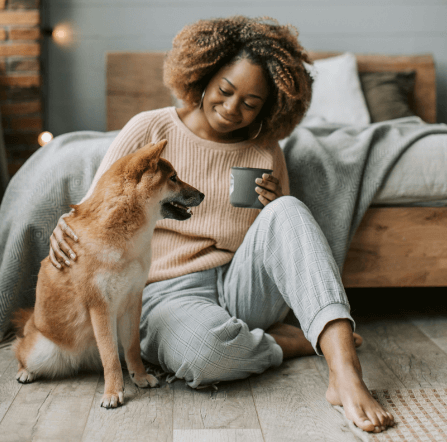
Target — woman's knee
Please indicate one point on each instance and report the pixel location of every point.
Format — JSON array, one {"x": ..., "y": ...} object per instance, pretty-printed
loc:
[
  {"x": 197, "y": 348},
  {"x": 211, "y": 358},
  {"x": 287, "y": 202},
  {"x": 286, "y": 208}
]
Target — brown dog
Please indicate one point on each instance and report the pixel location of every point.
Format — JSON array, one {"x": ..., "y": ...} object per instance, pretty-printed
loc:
[{"x": 83, "y": 311}]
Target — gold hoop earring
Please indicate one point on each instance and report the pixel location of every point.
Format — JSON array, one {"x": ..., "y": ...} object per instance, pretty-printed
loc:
[
  {"x": 201, "y": 99},
  {"x": 258, "y": 132}
]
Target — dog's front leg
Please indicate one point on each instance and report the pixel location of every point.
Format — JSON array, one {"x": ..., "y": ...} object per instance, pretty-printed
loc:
[
  {"x": 104, "y": 327},
  {"x": 129, "y": 334}
]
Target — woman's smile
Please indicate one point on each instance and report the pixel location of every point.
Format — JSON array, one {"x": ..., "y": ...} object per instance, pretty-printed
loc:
[{"x": 227, "y": 120}]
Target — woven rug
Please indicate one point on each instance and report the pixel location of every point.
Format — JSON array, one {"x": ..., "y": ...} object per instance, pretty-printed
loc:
[{"x": 420, "y": 415}]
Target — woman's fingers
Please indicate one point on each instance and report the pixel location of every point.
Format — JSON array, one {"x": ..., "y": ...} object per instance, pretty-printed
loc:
[
  {"x": 265, "y": 196},
  {"x": 66, "y": 228},
  {"x": 268, "y": 181},
  {"x": 54, "y": 260},
  {"x": 60, "y": 248}
]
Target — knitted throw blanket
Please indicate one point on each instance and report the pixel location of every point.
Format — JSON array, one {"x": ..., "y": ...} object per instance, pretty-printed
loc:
[{"x": 335, "y": 170}]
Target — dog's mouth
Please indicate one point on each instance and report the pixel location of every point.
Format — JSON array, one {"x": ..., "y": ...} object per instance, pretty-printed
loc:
[
  {"x": 181, "y": 207},
  {"x": 176, "y": 210}
]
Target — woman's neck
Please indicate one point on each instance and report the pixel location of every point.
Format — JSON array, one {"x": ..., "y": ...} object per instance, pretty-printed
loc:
[{"x": 196, "y": 122}]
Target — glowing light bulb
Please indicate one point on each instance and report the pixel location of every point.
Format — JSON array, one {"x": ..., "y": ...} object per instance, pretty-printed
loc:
[
  {"x": 63, "y": 34},
  {"x": 44, "y": 138}
]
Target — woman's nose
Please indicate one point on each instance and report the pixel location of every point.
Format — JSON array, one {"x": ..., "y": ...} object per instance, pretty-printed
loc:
[{"x": 231, "y": 105}]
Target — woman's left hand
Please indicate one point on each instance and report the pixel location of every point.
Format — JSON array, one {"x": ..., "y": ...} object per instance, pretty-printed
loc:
[{"x": 269, "y": 189}]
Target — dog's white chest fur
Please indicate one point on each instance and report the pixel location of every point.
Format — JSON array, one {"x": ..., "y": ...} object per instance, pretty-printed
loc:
[{"x": 117, "y": 285}]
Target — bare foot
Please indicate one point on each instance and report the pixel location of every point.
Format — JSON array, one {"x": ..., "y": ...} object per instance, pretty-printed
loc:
[
  {"x": 346, "y": 388},
  {"x": 293, "y": 343}
]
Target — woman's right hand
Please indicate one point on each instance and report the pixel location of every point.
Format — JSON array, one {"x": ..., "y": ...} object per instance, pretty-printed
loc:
[{"x": 60, "y": 251}]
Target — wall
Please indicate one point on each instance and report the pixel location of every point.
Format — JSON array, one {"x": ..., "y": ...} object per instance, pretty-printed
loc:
[
  {"x": 76, "y": 76},
  {"x": 20, "y": 79}
]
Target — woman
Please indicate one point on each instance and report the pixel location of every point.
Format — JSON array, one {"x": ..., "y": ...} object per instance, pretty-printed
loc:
[{"x": 222, "y": 278}]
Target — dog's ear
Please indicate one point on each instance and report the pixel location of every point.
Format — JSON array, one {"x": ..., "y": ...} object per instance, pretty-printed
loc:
[{"x": 144, "y": 159}]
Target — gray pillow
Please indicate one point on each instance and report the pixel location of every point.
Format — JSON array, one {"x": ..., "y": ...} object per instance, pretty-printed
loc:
[{"x": 387, "y": 94}]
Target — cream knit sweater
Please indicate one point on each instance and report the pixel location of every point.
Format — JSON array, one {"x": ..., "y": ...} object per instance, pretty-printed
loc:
[{"x": 212, "y": 235}]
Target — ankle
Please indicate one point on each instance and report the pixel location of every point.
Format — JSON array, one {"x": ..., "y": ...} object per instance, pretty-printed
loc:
[{"x": 345, "y": 366}]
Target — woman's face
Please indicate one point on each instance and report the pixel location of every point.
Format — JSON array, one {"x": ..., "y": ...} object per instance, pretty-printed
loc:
[{"x": 235, "y": 96}]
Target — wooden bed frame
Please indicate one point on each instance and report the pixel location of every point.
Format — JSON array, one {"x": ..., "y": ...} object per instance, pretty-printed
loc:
[{"x": 393, "y": 246}]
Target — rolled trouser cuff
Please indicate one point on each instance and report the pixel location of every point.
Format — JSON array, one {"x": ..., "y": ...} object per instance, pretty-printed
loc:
[{"x": 326, "y": 314}]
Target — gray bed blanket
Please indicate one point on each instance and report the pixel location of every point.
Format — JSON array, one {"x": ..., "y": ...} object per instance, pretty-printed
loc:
[{"x": 335, "y": 170}]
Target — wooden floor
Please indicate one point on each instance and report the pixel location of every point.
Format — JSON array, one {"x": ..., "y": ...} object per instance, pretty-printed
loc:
[{"x": 405, "y": 346}]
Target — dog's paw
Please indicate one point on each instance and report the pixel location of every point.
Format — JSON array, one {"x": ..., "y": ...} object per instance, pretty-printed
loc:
[
  {"x": 144, "y": 380},
  {"x": 112, "y": 400},
  {"x": 24, "y": 376}
]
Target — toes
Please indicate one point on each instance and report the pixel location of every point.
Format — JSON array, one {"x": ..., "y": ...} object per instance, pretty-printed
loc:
[
  {"x": 386, "y": 419},
  {"x": 390, "y": 419},
  {"x": 381, "y": 420},
  {"x": 24, "y": 376},
  {"x": 367, "y": 421},
  {"x": 365, "y": 424},
  {"x": 153, "y": 381},
  {"x": 145, "y": 381},
  {"x": 358, "y": 340},
  {"x": 112, "y": 400}
]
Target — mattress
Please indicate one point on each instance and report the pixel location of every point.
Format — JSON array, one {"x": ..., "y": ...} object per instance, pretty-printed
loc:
[{"x": 419, "y": 178}]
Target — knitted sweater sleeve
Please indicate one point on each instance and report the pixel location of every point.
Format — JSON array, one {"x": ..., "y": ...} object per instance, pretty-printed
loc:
[{"x": 131, "y": 138}]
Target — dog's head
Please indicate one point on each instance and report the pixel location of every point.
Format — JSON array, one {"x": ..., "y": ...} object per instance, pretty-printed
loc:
[{"x": 149, "y": 177}]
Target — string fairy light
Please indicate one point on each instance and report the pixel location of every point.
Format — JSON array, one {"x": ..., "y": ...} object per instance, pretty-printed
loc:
[{"x": 44, "y": 138}]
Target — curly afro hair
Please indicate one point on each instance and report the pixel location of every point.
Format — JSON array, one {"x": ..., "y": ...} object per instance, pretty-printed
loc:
[{"x": 202, "y": 48}]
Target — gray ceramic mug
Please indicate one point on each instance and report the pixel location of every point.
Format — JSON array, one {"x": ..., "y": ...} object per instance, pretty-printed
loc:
[{"x": 242, "y": 187}]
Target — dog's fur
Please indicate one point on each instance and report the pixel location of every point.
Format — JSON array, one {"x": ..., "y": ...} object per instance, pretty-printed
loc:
[{"x": 83, "y": 311}]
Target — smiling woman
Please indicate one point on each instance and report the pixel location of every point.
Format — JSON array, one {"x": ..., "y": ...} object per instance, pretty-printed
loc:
[{"x": 204, "y": 50}]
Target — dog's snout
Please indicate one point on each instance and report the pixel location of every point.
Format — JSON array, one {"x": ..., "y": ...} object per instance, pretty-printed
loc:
[{"x": 195, "y": 197}]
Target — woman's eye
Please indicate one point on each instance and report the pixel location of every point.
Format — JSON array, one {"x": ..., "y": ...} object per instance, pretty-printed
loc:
[
  {"x": 250, "y": 107},
  {"x": 224, "y": 92},
  {"x": 174, "y": 178}
]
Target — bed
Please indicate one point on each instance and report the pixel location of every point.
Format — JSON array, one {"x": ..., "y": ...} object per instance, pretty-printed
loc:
[{"x": 395, "y": 246}]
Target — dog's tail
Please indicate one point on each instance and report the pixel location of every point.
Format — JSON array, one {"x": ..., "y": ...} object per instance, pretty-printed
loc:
[{"x": 20, "y": 318}]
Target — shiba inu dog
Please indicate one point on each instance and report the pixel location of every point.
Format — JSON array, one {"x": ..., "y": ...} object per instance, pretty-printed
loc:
[{"x": 83, "y": 311}]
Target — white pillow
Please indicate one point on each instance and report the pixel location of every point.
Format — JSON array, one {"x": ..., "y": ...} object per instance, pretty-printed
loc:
[{"x": 336, "y": 92}]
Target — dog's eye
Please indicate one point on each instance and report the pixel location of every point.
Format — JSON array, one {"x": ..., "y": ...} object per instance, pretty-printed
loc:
[{"x": 174, "y": 178}]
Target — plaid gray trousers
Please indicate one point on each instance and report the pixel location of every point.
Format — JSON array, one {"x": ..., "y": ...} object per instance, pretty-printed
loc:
[{"x": 209, "y": 326}]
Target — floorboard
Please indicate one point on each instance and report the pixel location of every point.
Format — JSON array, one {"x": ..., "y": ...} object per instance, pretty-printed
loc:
[
  {"x": 147, "y": 415},
  {"x": 63, "y": 415},
  {"x": 9, "y": 387},
  {"x": 218, "y": 436},
  {"x": 22, "y": 420},
  {"x": 409, "y": 353},
  {"x": 230, "y": 407},
  {"x": 433, "y": 326}
]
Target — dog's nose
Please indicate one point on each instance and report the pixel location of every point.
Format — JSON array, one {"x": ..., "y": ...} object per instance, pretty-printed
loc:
[{"x": 201, "y": 196}]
